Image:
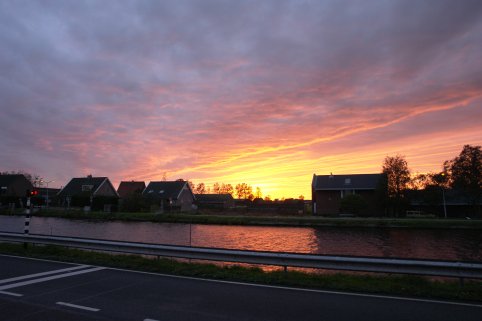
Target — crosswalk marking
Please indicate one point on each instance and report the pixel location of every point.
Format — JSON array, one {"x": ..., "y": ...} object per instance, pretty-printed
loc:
[
  {"x": 10, "y": 293},
  {"x": 48, "y": 278},
  {"x": 31, "y": 276},
  {"x": 82, "y": 307}
]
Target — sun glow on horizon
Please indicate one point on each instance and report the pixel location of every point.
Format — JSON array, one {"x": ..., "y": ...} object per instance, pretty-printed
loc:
[{"x": 263, "y": 95}]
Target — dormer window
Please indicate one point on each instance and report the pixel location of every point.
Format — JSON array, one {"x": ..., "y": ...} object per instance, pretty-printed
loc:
[
  {"x": 87, "y": 188},
  {"x": 347, "y": 181}
]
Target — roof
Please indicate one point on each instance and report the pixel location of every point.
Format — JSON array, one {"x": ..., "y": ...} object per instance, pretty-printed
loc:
[
  {"x": 75, "y": 185},
  {"x": 214, "y": 198},
  {"x": 8, "y": 179},
  {"x": 346, "y": 182},
  {"x": 129, "y": 188},
  {"x": 165, "y": 189}
]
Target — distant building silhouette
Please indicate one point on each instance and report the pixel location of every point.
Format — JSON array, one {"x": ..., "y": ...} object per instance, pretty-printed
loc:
[{"x": 329, "y": 190}]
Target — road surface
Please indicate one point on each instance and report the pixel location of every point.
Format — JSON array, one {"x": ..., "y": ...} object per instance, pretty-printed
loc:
[{"x": 38, "y": 290}]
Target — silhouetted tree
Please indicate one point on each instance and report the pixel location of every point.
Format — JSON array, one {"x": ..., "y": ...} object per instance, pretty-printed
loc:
[
  {"x": 200, "y": 188},
  {"x": 192, "y": 186},
  {"x": 258, "y": 193},
  {"x": 430, "y": 189},
  {"x": 227, "y": 189},
  {"x": 398, "y": 178},
  {"x": 465, "y": 173},
  {"x": 244, "y": 191}
]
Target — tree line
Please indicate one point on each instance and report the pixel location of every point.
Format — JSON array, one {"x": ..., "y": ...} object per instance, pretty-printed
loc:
[
  {"x": 462, "y": 174},
  {"x": 241, "y": 190}
]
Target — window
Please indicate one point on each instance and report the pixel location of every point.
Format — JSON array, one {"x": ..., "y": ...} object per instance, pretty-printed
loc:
[{"x": 87, "y": 188}]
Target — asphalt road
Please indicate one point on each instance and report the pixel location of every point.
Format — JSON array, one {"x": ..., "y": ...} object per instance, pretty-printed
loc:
[{"x": 36, "y": 290}]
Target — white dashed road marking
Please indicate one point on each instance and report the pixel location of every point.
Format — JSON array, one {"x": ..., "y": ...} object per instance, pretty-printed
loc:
[{"x": 78, "y": 306}]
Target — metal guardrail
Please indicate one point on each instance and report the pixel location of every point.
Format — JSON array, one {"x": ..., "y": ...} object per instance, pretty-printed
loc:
[{"x": 348, "y": 263}]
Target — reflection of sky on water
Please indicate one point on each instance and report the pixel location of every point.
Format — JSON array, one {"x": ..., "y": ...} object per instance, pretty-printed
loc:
[
  {"x": 462, "y": 245},
  {"x": 421, "y": 243}
]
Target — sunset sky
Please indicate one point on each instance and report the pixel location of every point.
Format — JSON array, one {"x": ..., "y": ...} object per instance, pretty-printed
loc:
[{"x": 262, "y": 92}]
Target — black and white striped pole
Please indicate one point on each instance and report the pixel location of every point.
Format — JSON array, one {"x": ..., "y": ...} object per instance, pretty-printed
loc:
[{"x": 26, "y": 229}]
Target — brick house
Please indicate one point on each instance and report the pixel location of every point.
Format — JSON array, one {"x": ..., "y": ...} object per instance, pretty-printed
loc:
[{"x": 329, "y": 190}]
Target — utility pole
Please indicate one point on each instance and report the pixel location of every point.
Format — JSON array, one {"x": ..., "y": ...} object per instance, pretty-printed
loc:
[{"x": 445, "y": 206}]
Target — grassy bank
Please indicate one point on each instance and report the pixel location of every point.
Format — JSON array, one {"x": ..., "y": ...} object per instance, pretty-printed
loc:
[
  {"x": 393, "y": 285},
  {"x": 309, "y": 221}
]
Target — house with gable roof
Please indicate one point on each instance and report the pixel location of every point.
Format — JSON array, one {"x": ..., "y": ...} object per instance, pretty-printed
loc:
[
  {"x": 329, "y": 190},
  {"x": 170, "y": 195},
  {"x": 129, "y": 188},
  {"x": 96, "y": 192},
  {"x": 14, "y": 185}
]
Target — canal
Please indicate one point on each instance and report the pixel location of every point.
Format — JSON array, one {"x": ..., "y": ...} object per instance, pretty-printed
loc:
[{"x": 439, "y": 244}]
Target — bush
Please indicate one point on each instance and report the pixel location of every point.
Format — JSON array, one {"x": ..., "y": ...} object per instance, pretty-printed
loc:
[{"x": 353, "y": 204}]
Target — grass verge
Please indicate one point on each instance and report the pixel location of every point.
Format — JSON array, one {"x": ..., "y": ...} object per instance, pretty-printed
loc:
[{"x": 411, "y": 286}]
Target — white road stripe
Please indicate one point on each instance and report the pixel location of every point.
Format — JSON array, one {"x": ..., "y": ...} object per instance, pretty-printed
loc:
[
  {"x": 10, "y": 293},
  {"x": 31, "y": 276},
  {"x": 78, "y": 306},
  {"x": 48, "y": 278}
]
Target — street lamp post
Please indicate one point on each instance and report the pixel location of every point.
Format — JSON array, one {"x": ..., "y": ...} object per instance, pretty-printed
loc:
[
  {"x": 443, "y": 180},
  {"x": 443, "y": 198},
  {"x": 47, "y": 198}
]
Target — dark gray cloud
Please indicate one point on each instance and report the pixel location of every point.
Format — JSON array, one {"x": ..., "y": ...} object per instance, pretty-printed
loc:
[{"x": 102, "y": 85}]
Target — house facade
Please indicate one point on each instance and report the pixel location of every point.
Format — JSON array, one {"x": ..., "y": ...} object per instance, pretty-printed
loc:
[
  {"x": 170, "y": 195},
  {"x": 14, "y": 185},
  {"x": 328, "y": 191},
  {"x": 96, "y": 192}
]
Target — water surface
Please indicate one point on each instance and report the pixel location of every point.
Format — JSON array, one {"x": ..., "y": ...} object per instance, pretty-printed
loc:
[{"x": 444, "y": 244}]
